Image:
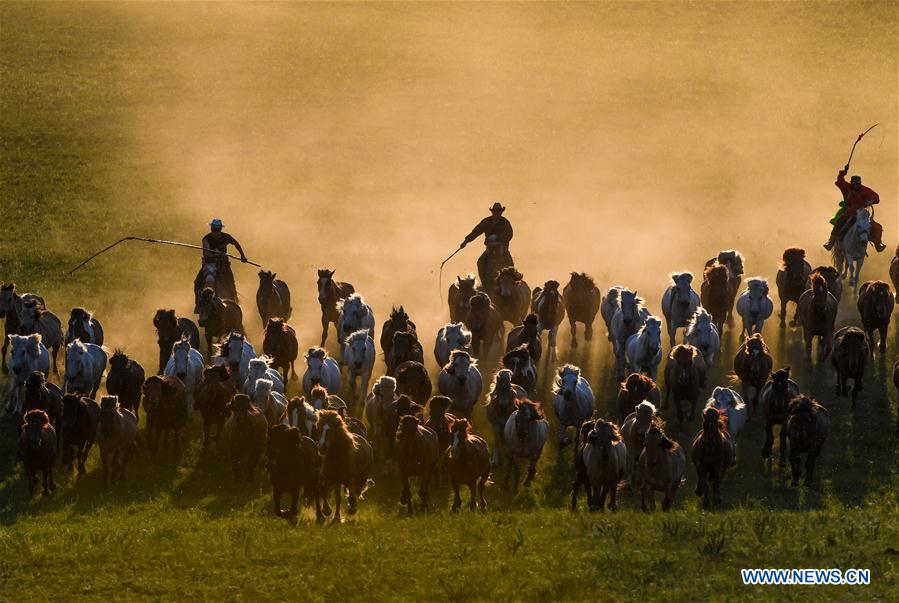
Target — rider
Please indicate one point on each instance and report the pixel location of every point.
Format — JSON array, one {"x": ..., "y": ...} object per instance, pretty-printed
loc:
[
  {"x": 855, "y": 197},
  {"x": 497, "y": 233},
  {"x": 215, "y": 251}
]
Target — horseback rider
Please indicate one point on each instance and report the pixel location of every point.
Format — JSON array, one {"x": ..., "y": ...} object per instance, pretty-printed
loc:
[
  {"x": 855, "y": 197},
  {"x": 215, "y": 251},
  {"x": 497, "y": 232}
]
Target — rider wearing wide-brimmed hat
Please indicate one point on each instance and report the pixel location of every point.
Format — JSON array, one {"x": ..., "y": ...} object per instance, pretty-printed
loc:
[
  {"x": 215, "y": 251},
  {"x": 497, "y": 231}
]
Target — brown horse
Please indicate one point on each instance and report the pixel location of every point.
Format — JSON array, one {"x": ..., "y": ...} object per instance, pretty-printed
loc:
[
  {"x": 211, "y": 398},
  {"x": 40, "y": 394},
  {"x": 397, "y": 323},
  {"x": 485, "y": 324},
  {"x": 346, "y": 462},
  {"x": 875, "y": 304},
  {"x": 416, "y": 451},
  {"x": 581, "y": 478},
  {"x": 170, "y": 330},
  {"x": 547, "y": 304},
  {"x": 165, "y": 402},
  {"x": 527, "y": 333},
  {"x": 218, "y": 317},
  {"x": 440, "y": 422},
  {"x": 833, "y": 278},
  {"x": 806, "y": 430},
  {"x": 817, "y": 314},
  {"x": 292, "y": 463},
  {"x": 634, "y": 430},
  {"x": 661, "y": 466},
  {"x": 896, "y": 385},
  {"x": 634, "y": 390},
  {"x": 330, "y": 293},
  {"x": 459, "y": 296},
  {"x": 717, "y": 294},
  {"x": 850, "y": 357},
  {"x": 511, "y": 295},
  {"x": 280, "y": 344},
  {"x": 581, "y": 297},
  {"x": 605, "y": 459},
  {"x": 35, "y": 319},
  {"x": 125, "y": 380},
  {"x": 712, "y": 454},
  {"x": 245, "y": 432},
  {"x": 412, "y": 380},
  {"x": 84, "y": 327},
  {"x": 37, "y": 448},
  {"x": 272, "y": 297},
  {"x": 468, "y": 462},
  {"x": 776, "y": 397},
  {"x": 405, "y": 347},
  {"x": 685, "y": 374},
  {"x": 792, "y": 281},
  {"x": 753, "y": 364},
  {"x": 894, "y": 273}
]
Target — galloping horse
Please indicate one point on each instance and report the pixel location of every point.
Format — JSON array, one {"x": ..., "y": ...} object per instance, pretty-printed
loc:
[
  {"x": 849, "y": 252},
  {"x": 330, "y": 293}
]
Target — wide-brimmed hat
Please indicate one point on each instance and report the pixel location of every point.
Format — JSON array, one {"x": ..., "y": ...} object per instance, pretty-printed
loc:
[
  {"x": 216, "y": 223},
  {"x": 855, "y": 179},
  {"x": 498, "y": 207}
]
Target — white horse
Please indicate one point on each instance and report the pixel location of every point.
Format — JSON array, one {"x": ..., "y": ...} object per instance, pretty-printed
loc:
[
  {"x": 644, "y": 348},
  {"x": 679, "y": 302},
  {"x": 354, "y": 315},
  {"x": 359, "y": 359},
  {"x": 236, "y": 352},
  {"x": 460, "y": 380},
  {"x": 628, "y": 318},
  {"x": 186, "y": 364},
  {"x": 730, "y": 404},
  {"x": 573, "y": 401},
  {"x": 28, "y": 354},
  {"x": 754, "y": 306},
  {"x": 270, "y": 403},
  {"x": 85, "y": 363},
  {"x": 322, "y": 370},
  {"x": 850, "y": 251},
  {"x": 701, "y": 333},
  {"x": 260, "y": 368},
  {"x": 452, "y": 336}
]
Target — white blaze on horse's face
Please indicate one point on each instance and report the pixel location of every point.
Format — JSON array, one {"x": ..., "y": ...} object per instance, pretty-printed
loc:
[{"x": 457, "y": 441}]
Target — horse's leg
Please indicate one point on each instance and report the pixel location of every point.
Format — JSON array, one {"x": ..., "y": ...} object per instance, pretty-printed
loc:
[
  {"x": 783, "y": 445},
  {"x": 810, "y": 464},
  {"x": 337, "y": 496},
  {"x": 783, "y": 313},
  {"x": 457, "y": 499},
  {"x": 353, "y": 495},
  {"x": 324, "y": 329},
  {"x": 883, "y": 339},
  {"x": 532, "y": 471},
  {"x": 562, "y": 442},
  {"x": 573, "y": 331},
  {"x": 3, "y": 352},
  {"x": 473, "y": 494},
  {"x": 497, "y": 438},
  {"x": 276, "y": 501},
  {"x": 55, "y": 354},
  {"x": 482, "y": 502},
  {"x": 769, "y": 441},
  {"x": 552, "y": 342},
  {"x": 796, "y": 464},
  {"x": 406, "y": 495}
]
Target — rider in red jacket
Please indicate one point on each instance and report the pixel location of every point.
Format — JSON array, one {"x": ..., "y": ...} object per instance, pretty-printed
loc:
[{"x": 855, "y": 197}]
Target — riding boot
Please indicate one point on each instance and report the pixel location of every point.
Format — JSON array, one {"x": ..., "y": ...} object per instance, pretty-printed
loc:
[{"x": 829, "y": 244}]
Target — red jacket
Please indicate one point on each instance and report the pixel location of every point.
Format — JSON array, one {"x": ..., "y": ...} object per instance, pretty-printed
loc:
[{"x": 855, "y": 200}]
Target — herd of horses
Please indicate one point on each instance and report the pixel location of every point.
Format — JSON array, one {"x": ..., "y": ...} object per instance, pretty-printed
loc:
[{"x": 316, "y": 443}]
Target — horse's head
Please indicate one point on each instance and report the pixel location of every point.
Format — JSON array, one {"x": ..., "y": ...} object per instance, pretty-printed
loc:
[
  {"x": 637, "y": 383},
  {"x": 793, "y": 261},
  {"x": 437, "y": 406},
  {"x": 232, "y": 350},
  {"x": 714, "y": 424},
  {"x": 404, "y": 342},
  {"x": 36, "y": 424},
  {"x": 780, "y": 381},
  {"x": 181, "y": 356},
  {"x": 242, "y": 408},
  {"x": 682, "y": 288},
  {"x": 863, "y": 224},
  {"x": 604, "y": 434},
  {"x": 457, "y": 336},
  {"x": 724, "y": 398},
  {"x": 25, "y": 349},
  {"x": 331, "y": 427},
  {"x": 408, "y": 428},
  {"x": 802, "y": 418},
  {"x": 76, "y": 357},
  {"x": 261, "y": 393},
  {"x": 274, "y": 328},
  {"x": 853, "y": 347},
  {"x": 506, "y": 280},
  {"x": 459, "y": 366},
  {"x": 881, "y": 299},
  {"x": 266, "y": 280},
  {"x": 502, "y": 382},
  {"x": 531, "y": 326},
  {"x": 651, "y": 331},
  {"x": 460, "y": 430},
  {"x": 7, "y": 298},
  {"x": 257, "y": 367},
  {"x": 717, "y": 276},
  {"x": 109, "y": 408},
  {"x": 630, "y": 307},
  {"x": 206, "y": 306},
  {"x": 755, "y": 346},
  {"x": 646, "y": 414},
  {"x": 683, "y": 356},
  {"x": 80, "y": 325},
  {"x": 31, "y": 315},
  {"x": 466, "y": 285},
  {"x": 315, "y": 363},
  {"x": 566, "y": 381},
  {"x": 152, "y": 390},
  {"x": 166, "y": 323},
  {"x": 654, "y": 443},
  {"x": 357, "y": 346},
  {"x": 216, "y": 374},
  {"x": 758, "y": 292},
  {"x": 398, "y": 320},
  {"x": 118, "y": 361},
  {"x": 385, "y": 389},
  {"x": 528, "y": 411},
  {"x": 517, "y": 360},
  {"x": 581, "y": 282},
  {"x": 324, "y": 284}
]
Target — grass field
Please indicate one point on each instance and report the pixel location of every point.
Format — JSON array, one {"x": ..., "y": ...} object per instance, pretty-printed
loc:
[{"x": 109, "y": 125}]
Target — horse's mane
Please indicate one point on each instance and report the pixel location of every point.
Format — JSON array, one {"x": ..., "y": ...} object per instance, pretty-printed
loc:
[
  {"x": 468, "y": 279},
  {"x": 10, "y": 286},
  {"x": 701, "y": 314},
  {"x": 274, "y": 325},
  {"x": 80, "y": 312},
  {"x": 492, "y": 393},
  {"x": 817, "y": 279},
  {"x": 36, "y": 417},
  {"x": 756, "y": 337},
  {"x": 520, "y": 352},
  {"x": 675, "y": 275},
  {"x": 450, "y": 367},
  {"x": 719, "y": 417},
  {"x": 683, "y": 348},
  {"x": 461, "y": 425},
  {"x": 479, "y": 300},
  {"x": 791, "y": 255},
  {"x": 352, "y": 298},
  {"x": 534, "y": 409},
  {"x": 757, "y": 280},
  {"x": 243, "y": 400},
  {"x": 827, "y": 272},
  {"x": 509, "y": 271},
  {"x": 582, "y": 276},
  {"x": 637, "y": 379},
  {"x": 664, "y": 442},
  {"x": 805, "y": 405},
  {"x": 161, "y": 314},
  {"x": 562, "y": 370},
  {"x": 613, "y": 429},
  {"x": 650, "y": 320},
  {"x": 319, "y": 393},
  {"x": 318, "y": 353},
  {"x": 715, "y": 271},
  {"x": 438, "y": 404},
  {"x": 376, "y": 388},
  {"x": 118, "y": 354},
  {"x": 646, "y": 406},
  {"x": 398, "y": 313},
  {"x": 531, "y": 320},
  {"x": 221, "y": 371},
  {"x": 550, "y": 284},
  {"x": 362, "y": 334}
]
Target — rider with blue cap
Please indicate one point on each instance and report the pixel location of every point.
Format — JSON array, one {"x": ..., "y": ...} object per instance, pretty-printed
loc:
[{"x": 215, "y": 253}]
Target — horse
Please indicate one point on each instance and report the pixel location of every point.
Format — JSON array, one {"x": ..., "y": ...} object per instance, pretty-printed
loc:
[
  {"x": 679, "y": 303},
  {"x": 850, "y": 358},
  {"x": 609, "y": 305},
  {"x": 527, "y": 333},
  {"x": 468, "y": 463},
  {"x": 633, "y": 429},
  {"x": 38, "y": 448},
  {"x": 833, "y": 279},
  {"x": 260, "y": 368},
  {"x": 321, "y": 369},
  {"x": 412, "y": 380},
  {"x": 165, "y": 402},
  {"x": 525, "y": 434},
  {"x": 211, "y": 398},
  {"x": 730, "y": 404},
  {"x": 185, "y": 363},
  {"x": 236, "y": 352},
  {"x": 10, "y": 311},
  {"x": 404, "y": 348},
  {"x": 416, "y": 450},
  {"x": 209, "y": 278},
  {"x": 754, "y": 306},
  {"x": 270, "y": 403},
  {"x": 733, "y": 261},
  {"x": 581, "y": 478},
  {"x": 84, "y": 327},
  {"x": 502, "y": 401},
  {"x": 116, "y": 437},
  {"x": 573, "y": 402},
  {"x": 492, "y": 260},
  {"x": 627, "y": 318},
  {"x": 850, "y": 250},
  {"x": 272, "y": 297},
  {"x": 41, "y": 395},
  {"x": 605, "y": 459},
  {"x": 28, "y": 355},
  {"x": 125, "y": 380},
  {"x": 712, "y": 453},
  {"x": 302, "y": 415},
  {"x": 218, "y": 317},
  {"x": 485, "y": 324},
  {"x": 717, "y": 294},
  {"x": 547, "y": 304},
  {"x": 245, "y": 433},
  {"x": 330, "y": 294},
  {"x": 524, "y": 373},
  {"x": 875, "y": 305},
  {"x": 752, "y": 365},
  {"x": 461, "y": 381},
  {"x": 896, "y": 385},
  {"x": 633, "y": 390},
  {"x": 398, "y": 322},
  {"x": 643, "y": 349},
  {"x": 581, "y": 297},
  {"x": 355, "y": 315},
  {"x": 894, "y": 274},
  {"x": 702, "y": 334},
  {"x": 662, "y": 463},
  {"x": 280, "y": 344},
  {"x": 80, "y": 420},
  {"x": 35, "y": 319},
  {"x": 440, "y": 422},
  {"x": 170, "y": 330},
  {"x": 511, "y": 295},
  {"x": 85, "y": 363},
  {"x": 775, "y": 397},
  {"x": 292, "y": 463},
  {"x": 806, "y": 431},
  {"x": 346, "y": 461},
  {"x": 359, "y": 358},
  {"x": 685, "y": 376},
  {"x": 792, "y": 280},
  {"x": 817, "y": 314},
  {"x": 452, "y": 336},
  {"x": 459, "y": 295},
  {"x": 377, "y": 406}
]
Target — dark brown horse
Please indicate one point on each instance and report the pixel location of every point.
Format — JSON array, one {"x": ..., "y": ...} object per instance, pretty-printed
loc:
[
  {"x": 894, "y": 273},
  {"x": 605, "y": 460},
  {"x": 165, "y": 402},
  {"x": 346, "y": 462},
  {"x": 404, "y": 348},
  {"x": 218, "y": 317},
  {"x": 397, "y": 323},
  {"x": 685, "y": 375},
  {"x": 547, "y": 304},
  {"x": 36, "y": 319},
  {"x": 528, "y": 333},
  {"x": 807, "y": 431},
  {"x": 468, "y": 462},
  {"x": 125, "y": 380},
  {"x": 485, "y": 324},
  {"x": 245, "y": 433},
  {"x": 776, "y": 397},
  {"x": 272, "y": 297},
  {"x": 440, "y": 422},
  {"x": 170, "y": 330},
  {"x": 832, "y": 277},
  {"x": 459, "y": 296},
  {"x": 416, "y": 451},
  {"x": 37, "y": 448},
  {"x": 717, "y": 294},
  {"x": 633, "y": 390},
  {"x": 211, "y": 398},
  {"x": 875, "y": 304},
  {"x": 792, "y": 280},
  {"x": 896, "y": 385},
  {"x": 850, "y": 357},
  {"x": 280, "y": 344},
  {"x": 84, "y": 327},
  {"x": 582, "y": 298},
  {"x": 581, "y": 478},
  {"x": 817, "y": 315},
  {"x": 80, "y": 418},
  {"x": 43, "y": 395},
  {"x": 293, "y": 463},
  {"x": 330, "y": 292},
  {"x": 511, "y": 295},
  {"x": 412, "y": 380},
  {"x": 712, "y": 454},
  {"x": 753, "y": 364}
]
